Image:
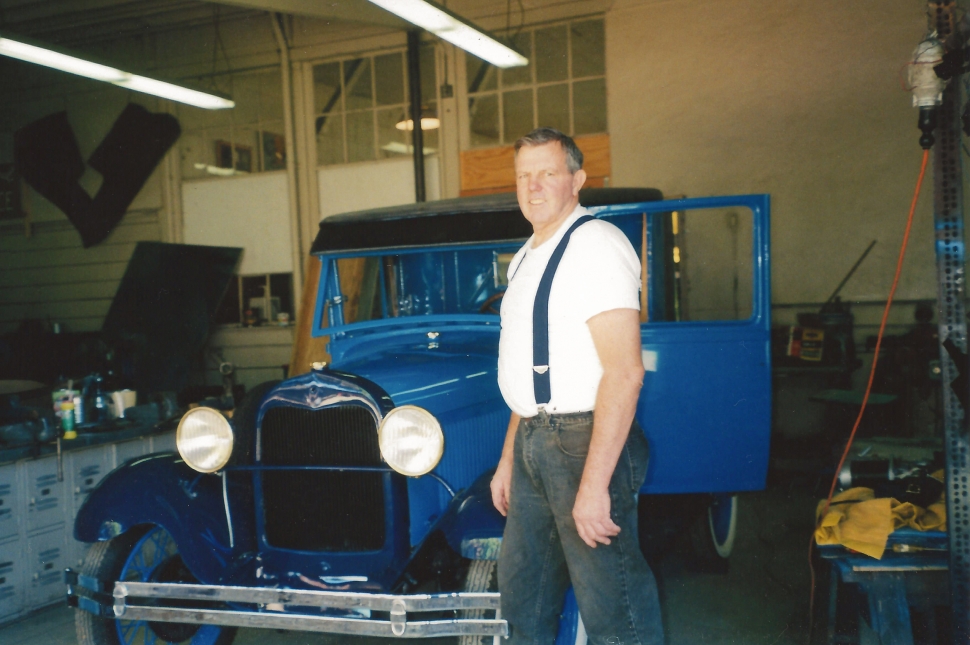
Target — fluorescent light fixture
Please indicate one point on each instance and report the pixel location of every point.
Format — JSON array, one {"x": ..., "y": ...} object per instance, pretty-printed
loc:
[
  {"x": 43, "y": 55},
  {"x": 447, "y": 26},
  {"x": 175, "y": 92},
  {"x": 427, "y": 123},
  {"x": 216, "y": 170}
]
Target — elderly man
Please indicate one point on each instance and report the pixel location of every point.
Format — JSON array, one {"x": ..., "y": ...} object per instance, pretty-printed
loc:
[{"x": 574, "y": 457}]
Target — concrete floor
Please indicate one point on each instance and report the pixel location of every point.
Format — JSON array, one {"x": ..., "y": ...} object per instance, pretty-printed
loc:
[{"x": 761, "y": 600}]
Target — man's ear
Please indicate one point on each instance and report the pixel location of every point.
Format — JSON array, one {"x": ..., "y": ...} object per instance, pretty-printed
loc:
[{"x": 579, "y": 178}]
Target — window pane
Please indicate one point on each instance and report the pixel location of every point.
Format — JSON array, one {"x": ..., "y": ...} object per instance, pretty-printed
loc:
[
  {"x": 245, "y": 154},
  {"x": 481, "y": 76},
  {"x": 357, "y": 84},
  {"x": 551, "y": 62},
  {"x": 360, "y": 136},
  {"x": 588, "y": 49},
  {"x": 254, "y": 289},
  {"x": 274, "y": 147},
  {"x": 517, "y": 114},
  {"x": 554, "y": 106},
  {"x": 281, "y": 286},
  {"x": 714, "y": 256},
  {"x": 391, "y": 141},
  {"x": 589, "y": 106},
  {"x": 326, "y": 87},
  {"x": 483, "y": 113},
  {"x": 520, "y": 75},
  {"x": 330, "y": 139},
  {"x": 389, "y": 78}
]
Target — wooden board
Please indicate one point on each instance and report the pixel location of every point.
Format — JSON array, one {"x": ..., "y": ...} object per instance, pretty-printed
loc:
[
  {"x": 307, "y": 349},
  {"x": 490, "y": 170}
]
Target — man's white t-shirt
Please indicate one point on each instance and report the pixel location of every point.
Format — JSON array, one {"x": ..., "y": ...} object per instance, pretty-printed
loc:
[{"x": 599, "y": 272}]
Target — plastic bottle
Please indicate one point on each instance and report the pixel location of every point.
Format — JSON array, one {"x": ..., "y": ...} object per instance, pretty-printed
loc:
[{"x": 67, "y": 419}]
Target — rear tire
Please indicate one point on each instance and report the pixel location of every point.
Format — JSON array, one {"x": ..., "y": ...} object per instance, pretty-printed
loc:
[
  {"x": 713, "y": 533},
  {"x": 143, "y": 554}
]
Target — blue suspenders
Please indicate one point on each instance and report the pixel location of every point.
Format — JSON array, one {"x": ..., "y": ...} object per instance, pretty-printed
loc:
[{"x": 540, "y": 318}]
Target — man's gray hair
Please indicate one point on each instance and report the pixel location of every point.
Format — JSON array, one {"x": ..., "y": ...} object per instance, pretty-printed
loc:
[{"x": 541, "y": 136}]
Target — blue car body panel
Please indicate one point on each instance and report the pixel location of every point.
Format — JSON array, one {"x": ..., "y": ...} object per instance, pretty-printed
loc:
[{"x": 161, "y": 490}]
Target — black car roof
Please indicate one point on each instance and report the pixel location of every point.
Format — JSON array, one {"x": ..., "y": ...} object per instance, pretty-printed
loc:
[{"x": 465, "y": 220}]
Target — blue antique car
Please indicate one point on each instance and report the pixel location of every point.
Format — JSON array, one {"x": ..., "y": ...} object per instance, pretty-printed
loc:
[{"x": 354, "y": 499}]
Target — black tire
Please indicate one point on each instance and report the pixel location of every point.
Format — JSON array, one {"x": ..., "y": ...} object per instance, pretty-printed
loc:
[
  {"x": 111, "y": 560},
  {"x": 713, "y": 532},
  {"x": 482, "y": 576}
]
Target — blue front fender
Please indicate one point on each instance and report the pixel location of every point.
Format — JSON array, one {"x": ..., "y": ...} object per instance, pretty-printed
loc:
[
  {"x": 161, "y": 490},
  {"x": 471, "y": 525}
]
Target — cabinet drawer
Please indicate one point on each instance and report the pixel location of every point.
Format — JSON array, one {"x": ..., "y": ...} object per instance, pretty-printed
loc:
[
  {"x": 10, "y": 504},
  {"x": 12, "y": 580},
  {"x": 47, "y": 558},
  {"x": 46, "y": 499},
  {"x": 87, "y": 469}
]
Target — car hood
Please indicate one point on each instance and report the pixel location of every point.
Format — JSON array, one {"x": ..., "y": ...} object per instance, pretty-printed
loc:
[{"x": 437, "y": 372}]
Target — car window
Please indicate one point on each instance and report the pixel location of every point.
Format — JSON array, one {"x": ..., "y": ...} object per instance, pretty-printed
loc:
[
  {"x": 464, "y": 281},
  {"x": 701, "y": 265}
]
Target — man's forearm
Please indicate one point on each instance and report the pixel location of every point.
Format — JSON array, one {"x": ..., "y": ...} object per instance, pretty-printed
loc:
[
  {"x": 509, "y": 445},
  {"x": 616, "y": 404}
]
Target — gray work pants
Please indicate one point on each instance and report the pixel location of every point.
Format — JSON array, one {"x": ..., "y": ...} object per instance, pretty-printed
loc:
[{"x": 542, "y": 552}]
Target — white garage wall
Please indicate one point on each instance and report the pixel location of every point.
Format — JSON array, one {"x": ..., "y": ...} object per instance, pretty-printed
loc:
[
  {"x": 374, "y": 184},
  {"x": 251, "y": 212},
  {"x": 792, "y": 99}
]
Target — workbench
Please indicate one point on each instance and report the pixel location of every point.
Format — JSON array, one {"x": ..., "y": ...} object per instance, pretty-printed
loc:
[{"x": 912, "y": 574}]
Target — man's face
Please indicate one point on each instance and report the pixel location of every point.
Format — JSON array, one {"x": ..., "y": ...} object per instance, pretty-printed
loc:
[{"x": 546, "y": 190}]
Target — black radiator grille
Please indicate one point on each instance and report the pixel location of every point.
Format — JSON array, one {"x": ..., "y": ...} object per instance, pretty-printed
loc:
[{"x": 322, "y": 510}]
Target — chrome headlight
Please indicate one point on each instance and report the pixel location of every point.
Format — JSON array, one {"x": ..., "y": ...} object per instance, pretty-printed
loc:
[
  {"x": 204, "y": 439},
  {"x": 411, "y": 440}
]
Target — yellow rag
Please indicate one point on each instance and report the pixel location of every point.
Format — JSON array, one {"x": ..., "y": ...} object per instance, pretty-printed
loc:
[{"x": 860, "y": 521}]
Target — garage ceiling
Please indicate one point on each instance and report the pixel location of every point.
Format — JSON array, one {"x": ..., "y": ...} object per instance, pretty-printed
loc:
[{"x": 77, "y": 22}]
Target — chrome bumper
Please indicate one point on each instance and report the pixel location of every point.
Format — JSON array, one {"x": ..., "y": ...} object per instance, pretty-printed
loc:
[{"x": 140, "y": 601}]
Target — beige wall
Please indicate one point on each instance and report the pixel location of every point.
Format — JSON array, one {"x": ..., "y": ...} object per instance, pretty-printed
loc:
[{"x": 801, "y": 100}]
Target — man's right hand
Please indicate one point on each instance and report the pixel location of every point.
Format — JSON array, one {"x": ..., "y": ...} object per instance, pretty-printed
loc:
[{"x": 501, "y": 486}]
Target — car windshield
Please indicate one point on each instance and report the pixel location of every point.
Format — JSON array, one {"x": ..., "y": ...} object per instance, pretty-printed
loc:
[{"x": 422, "y": 283}]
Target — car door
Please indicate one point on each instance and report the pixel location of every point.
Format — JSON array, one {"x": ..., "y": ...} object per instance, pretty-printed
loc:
[{"x": 705, "y": 405}]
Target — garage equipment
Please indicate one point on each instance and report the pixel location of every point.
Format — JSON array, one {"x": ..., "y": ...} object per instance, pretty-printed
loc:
[{"x": 884, "y": 582}]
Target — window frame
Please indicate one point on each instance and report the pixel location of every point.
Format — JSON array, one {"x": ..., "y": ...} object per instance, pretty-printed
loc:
[
  {"x": 314, "y": 113},
  {"x": 534, "y": 85}
]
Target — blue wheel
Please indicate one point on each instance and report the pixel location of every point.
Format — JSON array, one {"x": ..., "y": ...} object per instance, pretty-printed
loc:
[{"x": 145, "y": 555}]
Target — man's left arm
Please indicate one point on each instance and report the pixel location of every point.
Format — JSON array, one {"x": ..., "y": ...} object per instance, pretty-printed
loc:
[{"x": 616, "y": 335}]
